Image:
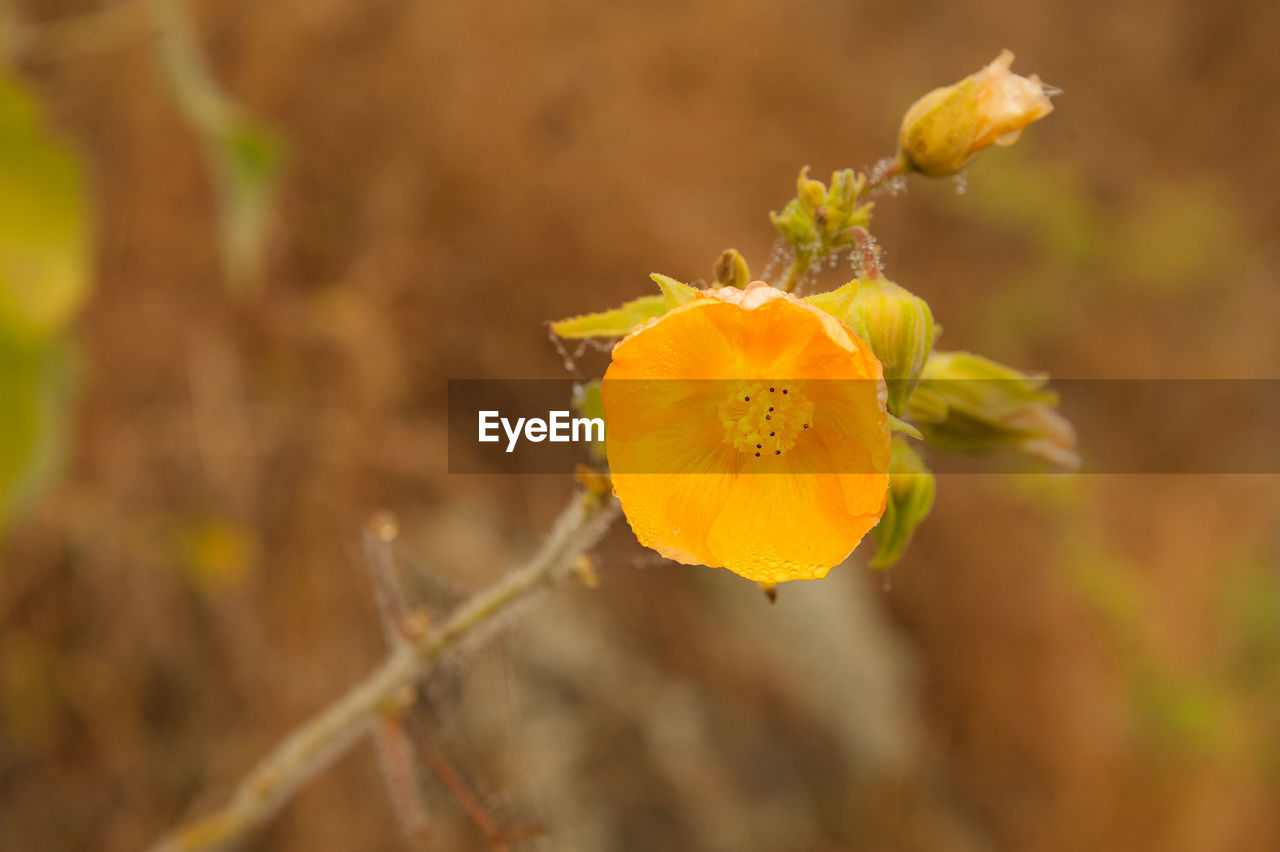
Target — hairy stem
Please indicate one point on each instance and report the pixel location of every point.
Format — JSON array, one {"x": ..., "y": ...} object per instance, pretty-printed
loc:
[
  {"x": 876, "y": 178},
  {"x": 797, "y": 270},
  {"x": 325, "y": 737}
]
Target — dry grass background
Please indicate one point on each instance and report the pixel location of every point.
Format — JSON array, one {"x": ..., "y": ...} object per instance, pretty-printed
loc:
[{"x": 1074, "y": 665}]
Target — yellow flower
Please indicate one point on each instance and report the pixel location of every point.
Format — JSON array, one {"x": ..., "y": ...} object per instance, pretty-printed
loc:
[
  {"x": 949, "y": 126},
  {"x": 747, "y": 430}
]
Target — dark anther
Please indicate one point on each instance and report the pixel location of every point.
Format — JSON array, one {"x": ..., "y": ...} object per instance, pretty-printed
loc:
[
  {"x": 770, "y": 434},
  {"x": 784, "y": 390},
  {"x": 768, "y": 417},
  {"x": 771, "y": 408},
  {"x": 746, "y": 399},
  {"x": 777, "y": 452},
  {"x": 806, "y": 425},
  {"x": 770, "y": 390},
  {"x": 757, "y": 455}
]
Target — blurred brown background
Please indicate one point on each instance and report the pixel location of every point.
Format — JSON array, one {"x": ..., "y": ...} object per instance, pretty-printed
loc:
[{"x": 1089, "y": 663}]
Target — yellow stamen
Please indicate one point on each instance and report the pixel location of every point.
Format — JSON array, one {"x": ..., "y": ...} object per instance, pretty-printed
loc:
[{"x": 764, "y": 419}]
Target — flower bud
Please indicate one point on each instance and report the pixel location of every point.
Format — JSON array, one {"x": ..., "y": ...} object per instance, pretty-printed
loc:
[
  {"x": 731, "y": 270},
  {"x": 949, "y": 126},
  {"x": 810, "y": 193},
  {"x": 899, "y": 327},
  {"x": 911, "y": 490},
  {"x": 972, "y": 405}
]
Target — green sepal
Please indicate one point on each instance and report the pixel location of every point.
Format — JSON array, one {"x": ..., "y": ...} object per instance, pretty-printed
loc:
[
  {"x": 903, "y": 427},
  {"x": 587, "y": 402},
  {"x": 972, "y": 405},
  {"x": 911, "y": 493},
  {"x": 836, "y": 302},
  {"x": 617, "y": 322},
  {"x": 676, "y": 293}
]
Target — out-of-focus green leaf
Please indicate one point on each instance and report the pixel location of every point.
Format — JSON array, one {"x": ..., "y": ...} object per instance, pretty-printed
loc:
[
  {"x": 245, "y": 156},
  {"x": 44, "y": 232},
  {"x": 34, "y": 390},
  {"x": 247, "y": 164},
  {"x": 44, "y": 281}
]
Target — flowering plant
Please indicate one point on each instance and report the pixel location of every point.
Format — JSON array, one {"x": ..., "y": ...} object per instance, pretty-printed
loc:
[{"x": 749, "y": 428}]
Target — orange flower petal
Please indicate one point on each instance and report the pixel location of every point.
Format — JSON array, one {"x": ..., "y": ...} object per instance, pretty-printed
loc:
[
  {"x": 774, "y": 528},
  {"x": 748, "y": 430}
]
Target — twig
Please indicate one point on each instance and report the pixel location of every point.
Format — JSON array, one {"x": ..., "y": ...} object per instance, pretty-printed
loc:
[
  {"x": 401, "y": 770},
  {"x": 498, "y": 838},
  {"x": 329, "y": 734},
  {"x": 403, "y": 779},
  {"x": 400, "y": 623}
]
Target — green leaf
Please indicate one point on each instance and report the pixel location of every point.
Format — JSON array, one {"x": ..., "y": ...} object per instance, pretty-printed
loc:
[
  {"x": 247, "y": 163},
  {"x": 836, "y": 302},
  {"x": 44, "y": 232},
  {"x": 617, "y": 322},
  {"x": 676, "y": 294},
  {"x": 244, "y": 156}
]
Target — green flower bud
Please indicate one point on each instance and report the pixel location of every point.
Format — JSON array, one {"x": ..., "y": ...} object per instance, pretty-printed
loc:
[
  {"x": 731, "y": 270},
  {"x": 900, "y": 329},
  {"x": 810, "y": 193},
  {"x": 794, "y": 224},
  {"x": 948, "y": 127},
  {"x": 972, "y": 405},
  {"x": 911, "y": 490}
]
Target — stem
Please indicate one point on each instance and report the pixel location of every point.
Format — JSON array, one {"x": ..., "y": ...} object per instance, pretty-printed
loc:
[
  {"x": 878, "y": 178},
  {"x": 868, "y": 253},
  {"x": 328, "y": 735},
  {"x": 797, "y": 270}
]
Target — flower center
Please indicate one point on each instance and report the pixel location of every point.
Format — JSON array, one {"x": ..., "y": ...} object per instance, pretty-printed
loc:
[{"x": 764, "y": 418}]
